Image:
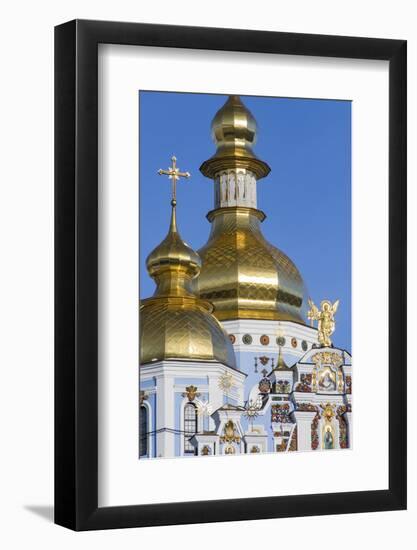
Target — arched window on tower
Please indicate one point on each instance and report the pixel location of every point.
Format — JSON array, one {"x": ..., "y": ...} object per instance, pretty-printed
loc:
[
  {"x": 190, "y": 427},
  {"x": 144, "y": 423}
]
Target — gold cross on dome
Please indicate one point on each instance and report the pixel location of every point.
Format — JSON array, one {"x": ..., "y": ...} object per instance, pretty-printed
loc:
[{"x": 174, "y": 175}]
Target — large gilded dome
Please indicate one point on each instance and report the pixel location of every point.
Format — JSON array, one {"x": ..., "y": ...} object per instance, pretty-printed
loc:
[
  {"x": 242, "y": 274},
  {"x": 174, "y": 322}
]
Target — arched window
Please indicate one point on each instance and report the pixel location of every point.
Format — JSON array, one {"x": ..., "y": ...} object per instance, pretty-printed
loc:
[
  {"x": 190, "y": 427},
  {"x": 143, "y": 426}
]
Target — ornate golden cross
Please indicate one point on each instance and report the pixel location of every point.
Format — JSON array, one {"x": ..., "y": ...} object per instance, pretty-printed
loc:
[{"x": 174, "y": 175}]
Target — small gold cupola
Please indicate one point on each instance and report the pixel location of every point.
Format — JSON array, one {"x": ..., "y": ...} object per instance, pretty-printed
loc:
[
  {"x": 234, "y": 132},
  {"x": 174, "y": 323},
  {"x": 173, "y": 264}
]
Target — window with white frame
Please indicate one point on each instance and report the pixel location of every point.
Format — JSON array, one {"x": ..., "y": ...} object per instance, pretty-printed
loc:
[{"x": 190, "y": 427}]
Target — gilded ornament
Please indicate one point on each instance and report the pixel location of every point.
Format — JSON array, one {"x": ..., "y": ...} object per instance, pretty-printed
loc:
[
  {"x": 191, "y": 392},
  {"x": 174, "y": 175},
  {"x": 327, "y": 358},
  {"x": 325, "y": 318},
  {"x": 328, "y": 411},
  {"x": 230, "y": 434}
]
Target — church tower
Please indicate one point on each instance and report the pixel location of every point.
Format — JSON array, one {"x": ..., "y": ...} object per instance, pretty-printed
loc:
[{"x": 257, "y": 291}]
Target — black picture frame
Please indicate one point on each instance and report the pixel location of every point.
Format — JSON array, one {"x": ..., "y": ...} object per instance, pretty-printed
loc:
[{"x": 76, "y": 271}]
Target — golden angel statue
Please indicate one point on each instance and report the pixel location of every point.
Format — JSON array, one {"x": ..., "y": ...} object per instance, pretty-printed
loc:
[{"x": 325, "y": 318}]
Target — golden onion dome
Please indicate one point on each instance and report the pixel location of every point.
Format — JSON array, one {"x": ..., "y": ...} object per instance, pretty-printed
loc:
[
  {"x": 174, "y": 322},
  {"x": 234, "y": 132},
  {"x": 243, "y": 275},
  {"x": 173, "y": 263}
]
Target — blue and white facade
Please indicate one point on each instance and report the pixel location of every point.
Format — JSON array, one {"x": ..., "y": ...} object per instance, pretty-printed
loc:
[{"x": 269, "y": 407}]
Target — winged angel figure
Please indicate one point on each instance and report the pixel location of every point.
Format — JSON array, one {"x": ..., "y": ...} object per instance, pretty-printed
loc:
[{"x": 325, "y": 318}]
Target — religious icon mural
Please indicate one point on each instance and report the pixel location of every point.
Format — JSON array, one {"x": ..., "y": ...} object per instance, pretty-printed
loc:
[{"x": 235, "y": 357}]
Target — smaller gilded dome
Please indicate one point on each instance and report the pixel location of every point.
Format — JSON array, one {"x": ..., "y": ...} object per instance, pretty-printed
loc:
[
  {"x": 234, "y": 132},
  {"x": 173, "y": 262},
  {"x": 174, "y": 322}
]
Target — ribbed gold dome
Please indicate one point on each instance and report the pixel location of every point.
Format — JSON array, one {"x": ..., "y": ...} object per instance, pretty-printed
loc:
[
  {"x": 243, "y": 275},
  {"x": 234, "y": 133},
  {"x": 174, "y": 323}
]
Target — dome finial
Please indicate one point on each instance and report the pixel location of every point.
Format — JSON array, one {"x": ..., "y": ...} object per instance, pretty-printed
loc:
[{"x": 174, "y": 175}]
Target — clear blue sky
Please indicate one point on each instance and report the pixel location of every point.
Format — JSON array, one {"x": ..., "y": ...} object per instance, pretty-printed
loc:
[{"x": 306, "y": 197}]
